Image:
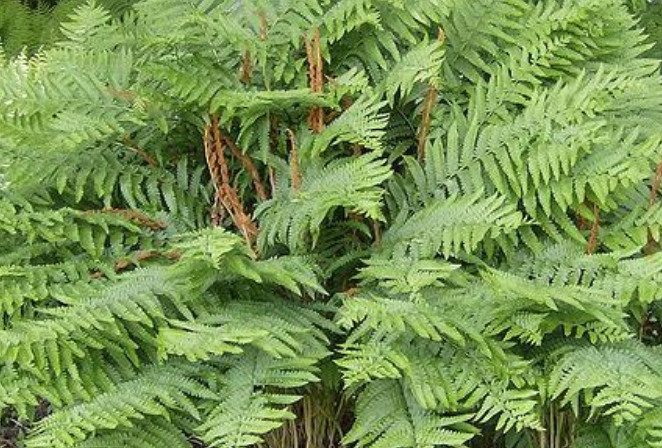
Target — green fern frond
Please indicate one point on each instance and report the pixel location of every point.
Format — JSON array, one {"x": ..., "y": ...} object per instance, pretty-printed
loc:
[
  {"x": 248, "y": 409},
  {"x": 621, "y": 380},
  {"x": 388, "y": 416},
  {"x": 451, "y": 226},
  {"x": 420, "y": 66},
  {"x": 352, "y": 185},
  {"x": 362, "y": 124},
  {"x": 152, "y": 433},
  {"x": 150, "y": 394}
]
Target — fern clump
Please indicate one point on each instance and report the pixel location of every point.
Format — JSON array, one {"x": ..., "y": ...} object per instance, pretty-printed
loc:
[{"x": 368, "y": 223}]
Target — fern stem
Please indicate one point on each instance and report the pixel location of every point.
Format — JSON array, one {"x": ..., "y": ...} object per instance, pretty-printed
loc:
[
  {"x": 655, "y": 185},
  {"x": 595, "y": 229},
  {"x": 652, "y": 246},
  {"x": 295, "y": 171},
  {"x": 552, "y": 427},
  {"x": 250, "y": 167},
  {"x": 145, "y": 255},
  {"x": 264, "y": 26},
  {"x": 151, "y": 161},
  {"x": 133, "y": 216},
  {"x": 225, "y": 193},
  {"x": 316, "y": 74},
  {"x": 138, "y": 257},
  {"x": 428, "y": 104},
  {"x": 377, "y": 231},
  {"x": 246, "y": 68},
  {"x": 542, "y": 442},
  {"x": 274, "y": 139}
]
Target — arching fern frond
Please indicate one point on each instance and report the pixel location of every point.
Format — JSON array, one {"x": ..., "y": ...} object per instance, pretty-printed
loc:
[
  {"x": 352, "y": 185},
  {"x": 151, "y": 393},
  {"x": 451, "y": 226}
]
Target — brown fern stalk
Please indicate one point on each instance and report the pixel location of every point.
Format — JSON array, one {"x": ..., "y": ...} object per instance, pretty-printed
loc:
[
  {"x": 655, "y": 186},
  {"x": 249, "y": 166},
  {"x": 274, "y": 140},
  {"x": 316, "y": 75},
  {"x": 151, "y": 161},
  {"x": 377, "y": 231},
  {"x": 595, "y": 229},
  {"x": 133, "y": 216},
  {"x": 226, "y": 195},
  {"x": 426, "y": 115},
  {"x": 137, "y": 258},
  {"x": 213, "y": 165},
  {"x": 263, "y": 26},
  {"x": 145, "y": 255},
  {"x": 246, "y": 68},
  {"x": 295, "y": 171},
  {"x": 424, "y": 130},
  {"x": 652, "y": 245}
]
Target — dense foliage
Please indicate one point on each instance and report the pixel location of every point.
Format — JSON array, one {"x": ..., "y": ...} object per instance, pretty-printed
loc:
[
  {"x": 369, "y": 223},
  {"x": 651, "y": 20},
  {"x": 28, "y": 25}
]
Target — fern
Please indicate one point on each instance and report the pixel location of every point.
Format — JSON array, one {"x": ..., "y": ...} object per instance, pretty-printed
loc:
[
  {"x": 395, "y": 419},
  {"x": 462, "y": 224},
  {"x": 23, "y": 27},
  {"x": 352, "y": 185},
  {"x": 358, "y": 223},
  {"x": 149, "y": 394},
  {"x": 247, "y": 411}
]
